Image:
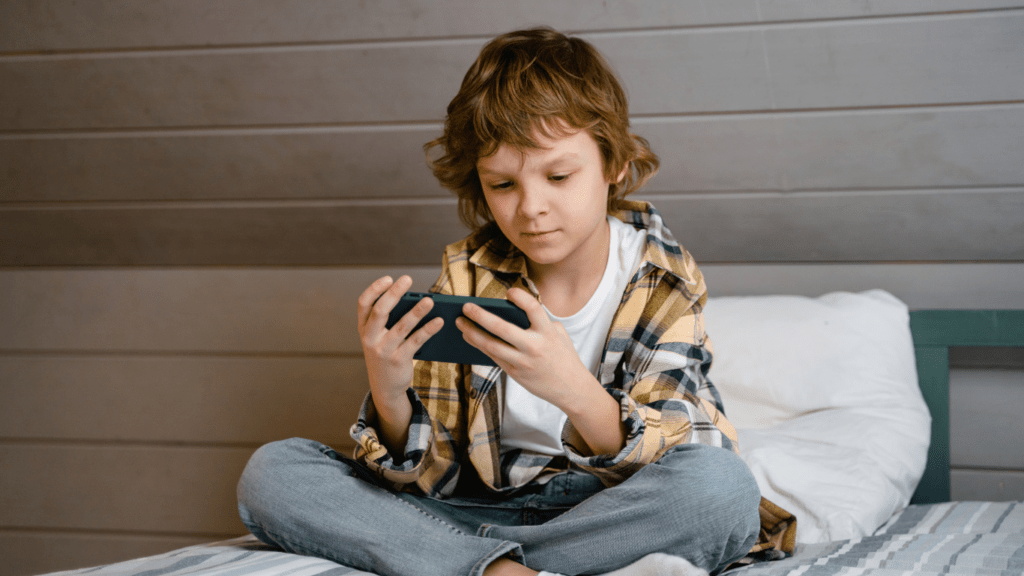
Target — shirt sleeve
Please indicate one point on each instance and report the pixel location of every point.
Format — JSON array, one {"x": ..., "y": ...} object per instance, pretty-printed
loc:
[
  {"x": 430, "y": 462},
  {"x": 660, "y": 380}
]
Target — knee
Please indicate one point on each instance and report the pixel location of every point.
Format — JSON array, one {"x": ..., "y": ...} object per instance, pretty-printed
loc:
[
  {"x": 266, "y": 475},
  {"x": 717, "y": 474},
  {"x": 722, "y": 491}
]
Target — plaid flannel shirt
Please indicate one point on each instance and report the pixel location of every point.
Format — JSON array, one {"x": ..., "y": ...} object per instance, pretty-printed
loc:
[{"x": 654, "y": 363}]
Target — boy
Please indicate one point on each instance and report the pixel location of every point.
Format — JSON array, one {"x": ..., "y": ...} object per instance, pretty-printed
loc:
[{"x": 597, "y": 446}]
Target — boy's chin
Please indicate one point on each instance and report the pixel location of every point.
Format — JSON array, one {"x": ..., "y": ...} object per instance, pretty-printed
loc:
[{"x": 542, "y": 257}]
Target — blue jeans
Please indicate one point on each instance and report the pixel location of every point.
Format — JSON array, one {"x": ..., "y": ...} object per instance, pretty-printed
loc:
[{"x": 697, "y": 502}]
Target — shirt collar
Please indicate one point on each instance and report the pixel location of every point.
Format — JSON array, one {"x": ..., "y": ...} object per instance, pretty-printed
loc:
[
  {"x": 661, "y": 249},
  {"x": 499, "y": 255}
]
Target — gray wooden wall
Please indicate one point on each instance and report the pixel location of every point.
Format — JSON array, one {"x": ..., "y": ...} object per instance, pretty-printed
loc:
[{"x": 193, "y": 193}]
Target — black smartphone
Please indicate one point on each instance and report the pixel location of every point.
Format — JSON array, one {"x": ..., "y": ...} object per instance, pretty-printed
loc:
[{"x": 448, "y": 345}]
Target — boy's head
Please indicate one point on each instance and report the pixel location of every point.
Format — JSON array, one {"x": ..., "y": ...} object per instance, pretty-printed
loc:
[{"x": 529, "y": 82}]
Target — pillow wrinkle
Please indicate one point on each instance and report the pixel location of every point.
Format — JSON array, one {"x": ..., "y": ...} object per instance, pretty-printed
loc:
[{"x": 824, "y": 394}]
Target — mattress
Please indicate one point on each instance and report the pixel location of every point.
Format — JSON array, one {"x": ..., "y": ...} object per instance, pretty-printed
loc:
[{"x": 960, "y": 538}]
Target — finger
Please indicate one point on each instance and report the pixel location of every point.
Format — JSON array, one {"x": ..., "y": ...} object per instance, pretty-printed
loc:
[
  {"x": 496, "y": 349},
  {"x": 420, "y": 337},
  {"x": 370, "y": 296},
  {"x": 492, "y": 323},
  {"x": 410, "y": 319},
  {"x": 534, "y": 311},
  {"x": 378, "y": 315}
]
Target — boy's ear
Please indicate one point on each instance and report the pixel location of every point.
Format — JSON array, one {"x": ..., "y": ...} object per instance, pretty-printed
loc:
[{"x": 625, "y": 170}]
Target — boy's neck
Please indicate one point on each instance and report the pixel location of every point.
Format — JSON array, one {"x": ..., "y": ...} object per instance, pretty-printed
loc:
[{"x": 565, "y": 287}]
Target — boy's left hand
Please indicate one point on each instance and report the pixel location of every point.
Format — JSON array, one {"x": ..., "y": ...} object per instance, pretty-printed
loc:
[{"x": 541, "y": 358}]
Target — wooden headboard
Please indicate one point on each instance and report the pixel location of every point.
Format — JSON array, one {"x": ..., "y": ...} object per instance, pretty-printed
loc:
[{"x": 935, "y": 332}]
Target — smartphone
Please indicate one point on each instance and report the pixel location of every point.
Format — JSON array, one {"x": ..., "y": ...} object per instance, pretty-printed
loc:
[{"x": 448, "y": 345}]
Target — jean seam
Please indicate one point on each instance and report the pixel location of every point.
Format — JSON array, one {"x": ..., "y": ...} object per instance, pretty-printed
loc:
[
  {"x": 504, "y": 547},
  {"x": 428, "y": 514},
  {"x": 323, "y": 448}
]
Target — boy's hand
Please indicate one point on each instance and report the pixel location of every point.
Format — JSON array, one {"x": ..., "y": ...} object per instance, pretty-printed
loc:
[
  {"x": 388, "y": 353},
  {"x": 541, "y": 358}
]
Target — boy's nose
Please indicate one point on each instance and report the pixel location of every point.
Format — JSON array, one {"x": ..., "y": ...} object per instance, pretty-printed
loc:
[{"x": 532, "y": 202}]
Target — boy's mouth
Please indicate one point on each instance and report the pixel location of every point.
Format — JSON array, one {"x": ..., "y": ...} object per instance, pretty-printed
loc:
[{"x": 537, "y": 234}]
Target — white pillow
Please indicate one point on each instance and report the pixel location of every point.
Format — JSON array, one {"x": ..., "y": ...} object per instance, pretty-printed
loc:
[{"x": 824, "y": 394}]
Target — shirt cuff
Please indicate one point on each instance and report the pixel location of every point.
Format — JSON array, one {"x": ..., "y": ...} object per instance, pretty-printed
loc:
[
  {"x": 614, "y": 468},
  {"x": 372, "y": 452}
]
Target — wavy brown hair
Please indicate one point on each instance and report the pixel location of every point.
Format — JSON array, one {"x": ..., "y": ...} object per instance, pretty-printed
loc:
[{"x": 531, "y": 81}]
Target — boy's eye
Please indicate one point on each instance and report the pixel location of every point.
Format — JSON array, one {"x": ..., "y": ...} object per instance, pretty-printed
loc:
[
  {"x": 558, "y": 177},
  {"x": 501, "y": 185}
]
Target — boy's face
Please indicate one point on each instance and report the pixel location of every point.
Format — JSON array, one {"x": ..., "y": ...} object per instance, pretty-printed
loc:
[{"x": 551, "y": 202}]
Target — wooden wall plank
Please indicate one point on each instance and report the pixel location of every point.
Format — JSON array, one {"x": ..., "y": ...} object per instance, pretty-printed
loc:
[
  {"x": 838, "y": 150},
  {"x": 381, "y": 162},
  {"x": 919, "y": 285},
  {"x": 813, "y": 9},
  {"x": 987, "y": 485},
  {"x": 162, "y": 489},
  {"x": 927, "y": 61},
  {"x": 690, "y": 71},
  {"x": 985, "y": 425},
  {"x": 269, "y": 311},
  {"x": 28, "y": 553},
  {"x": 99, "y": 24},
  {"x": 312, "y": 85},
  {"x": 296, "y": 311},
  {"x": 903, "y": 62},
  {"x": 214, "y": 400},
  {"x": 304, "y": 234},
  {"x": 973, "y": 146},
  {"x": 882, "y": 226},
  {"x": 180, "y": 399}
]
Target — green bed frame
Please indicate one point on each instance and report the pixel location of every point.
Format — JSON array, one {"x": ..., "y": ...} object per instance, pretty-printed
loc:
[{"x": 935, "y": 332}]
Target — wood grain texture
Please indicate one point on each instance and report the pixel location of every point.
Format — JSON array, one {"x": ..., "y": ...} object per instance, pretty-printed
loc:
[
  {"x": 199, "y": 311},
  {"x": 904, "y": 62},
  {"x": 162, "y": 489},
  {"x": 878, "y": 226},
  {"x": 971, "y": 146},
  {"x": 312, "y": 85},
  {"x": 197, "y": 400},
  {"x": 302, "y": 235},
  {"x": 813, "y": 9},
  {"x": 386, "y": 162},
  {"x": 919, "y": 285},
  {"x": 310, "y": 313},
  {"x": 927, "y": 61},
  {"x": 102, "y": 24}
]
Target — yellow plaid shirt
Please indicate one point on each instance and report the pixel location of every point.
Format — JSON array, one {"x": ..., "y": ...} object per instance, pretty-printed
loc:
[{"x": 655, "y": 362}]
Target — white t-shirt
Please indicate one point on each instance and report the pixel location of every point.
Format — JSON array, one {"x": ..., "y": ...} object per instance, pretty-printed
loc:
[{"x": 534, "y": 424}]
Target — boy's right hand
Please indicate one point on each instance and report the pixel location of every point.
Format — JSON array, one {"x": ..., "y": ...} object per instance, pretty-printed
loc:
[{"x": 389, "y": 353}]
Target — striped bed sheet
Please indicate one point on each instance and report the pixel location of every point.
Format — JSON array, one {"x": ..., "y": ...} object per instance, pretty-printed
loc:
[{"x": 959, "y": 538}]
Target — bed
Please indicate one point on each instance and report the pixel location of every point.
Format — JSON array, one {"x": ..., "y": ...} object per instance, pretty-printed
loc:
[{"x": 856, "y": 444}]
